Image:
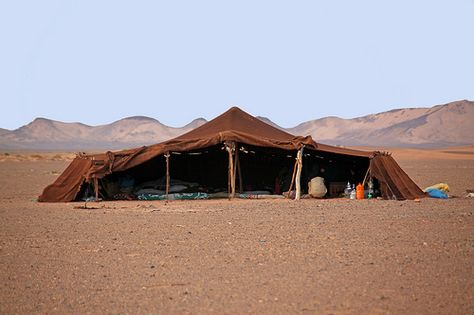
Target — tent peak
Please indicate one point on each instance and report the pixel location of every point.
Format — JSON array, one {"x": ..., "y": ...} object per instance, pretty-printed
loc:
[
  {"x": 235, "y": 120},
  {"x": 235, "y": 109}
]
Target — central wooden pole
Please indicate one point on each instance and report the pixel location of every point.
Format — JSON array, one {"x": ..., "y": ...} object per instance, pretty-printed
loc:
[
  {"x": 299, "y": 161},
  {"x": 230, "y": 147}
]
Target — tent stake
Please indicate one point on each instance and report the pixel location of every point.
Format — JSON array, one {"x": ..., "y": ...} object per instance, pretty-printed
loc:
[
  {"x": 299, "y": 159},
  {"x": 167, "y": 157}
]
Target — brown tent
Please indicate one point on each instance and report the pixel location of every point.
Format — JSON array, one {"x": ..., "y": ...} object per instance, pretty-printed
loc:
[{"x": 233, "y": 145}]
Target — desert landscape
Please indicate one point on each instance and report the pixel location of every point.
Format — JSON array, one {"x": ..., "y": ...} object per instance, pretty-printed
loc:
[
  {"x": 333, "y": 256},
  {"x": 237, "y": 157}
]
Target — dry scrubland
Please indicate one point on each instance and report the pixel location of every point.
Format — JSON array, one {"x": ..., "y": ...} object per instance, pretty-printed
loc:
[{"x": 312, "y": 256}]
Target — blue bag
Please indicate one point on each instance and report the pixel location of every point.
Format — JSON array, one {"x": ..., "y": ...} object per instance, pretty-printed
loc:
[{"x": 436, "y": 193}]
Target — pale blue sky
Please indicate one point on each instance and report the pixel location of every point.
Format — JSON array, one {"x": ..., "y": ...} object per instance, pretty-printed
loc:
[{"x": 292, "y": 61}]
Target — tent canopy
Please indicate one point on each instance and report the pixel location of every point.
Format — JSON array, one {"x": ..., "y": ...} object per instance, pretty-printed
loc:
[{"x": 275, "y": 146}]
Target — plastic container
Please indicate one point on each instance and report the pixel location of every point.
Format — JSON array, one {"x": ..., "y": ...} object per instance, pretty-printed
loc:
[{"x": 360, "y": 191}]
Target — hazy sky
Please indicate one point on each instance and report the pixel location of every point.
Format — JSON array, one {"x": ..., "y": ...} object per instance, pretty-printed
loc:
[{"x": 292, "y": 61}]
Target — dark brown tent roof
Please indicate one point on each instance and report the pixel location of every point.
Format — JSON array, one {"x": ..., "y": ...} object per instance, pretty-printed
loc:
[
  {"x": 237, "y": 121},
  {"x": 233, "y": 125}
]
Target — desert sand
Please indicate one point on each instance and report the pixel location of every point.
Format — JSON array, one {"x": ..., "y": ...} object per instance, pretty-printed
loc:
[{"x": 243, "y": 256}]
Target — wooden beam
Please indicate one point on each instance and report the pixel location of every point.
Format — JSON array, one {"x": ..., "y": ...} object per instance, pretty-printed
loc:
[
  {"x": 299, "y": 160},
  {"x": 366, "y": 174},
  {"x": 230, "y": 147}
]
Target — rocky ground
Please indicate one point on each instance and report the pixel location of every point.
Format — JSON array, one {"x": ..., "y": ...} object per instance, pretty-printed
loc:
[{"x": 244, "y": 256}]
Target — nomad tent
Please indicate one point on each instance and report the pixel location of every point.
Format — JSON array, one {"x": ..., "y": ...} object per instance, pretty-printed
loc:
[{"x": 233, "y": 155}]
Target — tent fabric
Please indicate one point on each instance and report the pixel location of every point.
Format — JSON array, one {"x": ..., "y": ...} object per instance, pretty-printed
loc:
[
  {"x": 233, "y": 125},
  {"x": 238, "y": 121},
  {"x": 394, "y": 182},
  {"x": 67, "y": 185},
  {"x": 344, "y": 151}
]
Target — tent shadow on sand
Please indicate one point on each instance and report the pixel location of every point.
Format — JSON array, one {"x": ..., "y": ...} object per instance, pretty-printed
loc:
[{"x": 232, "y": 153}]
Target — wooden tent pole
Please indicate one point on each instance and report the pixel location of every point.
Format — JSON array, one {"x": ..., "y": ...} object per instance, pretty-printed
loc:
[
  {"x": 232, "y": 178},
  {"x": 228, "y": 171},
  {"x": 167, "y": 157},
  {"x": 230, "y": 147},
  {"x": 299, "y": 159},
  {"x": 365, "y": 177}
]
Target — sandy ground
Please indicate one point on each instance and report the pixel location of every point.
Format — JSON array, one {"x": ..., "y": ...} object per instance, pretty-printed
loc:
[{"x": 244, "y": 256}]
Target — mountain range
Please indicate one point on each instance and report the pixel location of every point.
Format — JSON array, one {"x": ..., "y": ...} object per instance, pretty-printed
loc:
[{"x": 450, "y": 124}]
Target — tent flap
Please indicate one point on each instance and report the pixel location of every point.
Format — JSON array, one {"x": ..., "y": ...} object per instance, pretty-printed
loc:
[
  {"x": 394, "y": 182},
  {"x": 68, "y": 184}
]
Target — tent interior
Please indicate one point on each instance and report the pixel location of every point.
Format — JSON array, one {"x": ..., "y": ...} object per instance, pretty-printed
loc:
[
  {"x": 258, "y": 170},
  {"x": 336, "y": 169}
]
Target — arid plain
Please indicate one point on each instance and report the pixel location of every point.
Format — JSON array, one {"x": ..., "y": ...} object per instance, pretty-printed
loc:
[{"x": 244, "y": 256}]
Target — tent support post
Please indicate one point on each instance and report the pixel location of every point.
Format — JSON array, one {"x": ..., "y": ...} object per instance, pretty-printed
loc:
[
  {"x": 365, "y": 177},
  {"x": 167, "y": 157},
  {"x": 96, "y": 188},
  {"x": 230, "y": 147},
  {"x": 299, "y": 160}
]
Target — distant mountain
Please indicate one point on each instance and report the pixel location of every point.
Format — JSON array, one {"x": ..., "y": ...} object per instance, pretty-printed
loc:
[
  {"x": 45, "y": 134},
  {"x": 442, "y": 125},
  {"x": 271, "y": 123},
  {"x": 3, "y": 131}
]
